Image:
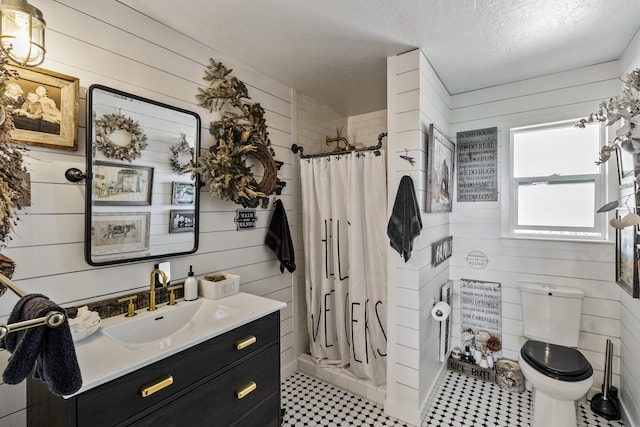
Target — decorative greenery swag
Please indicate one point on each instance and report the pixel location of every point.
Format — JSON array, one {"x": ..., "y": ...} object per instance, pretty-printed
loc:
[
  {"x": 625, "y": 107},
  {"x": 13, "y": 187},
  {"x": 241, "y": 132}
]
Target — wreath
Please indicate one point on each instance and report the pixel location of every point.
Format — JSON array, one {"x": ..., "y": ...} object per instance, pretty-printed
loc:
[
  {"x": 108, "y": 124},
  {"x": 241, "y": 133},
  {"x": 225, "y": 170},
  {"x": 178, "y": 150}
]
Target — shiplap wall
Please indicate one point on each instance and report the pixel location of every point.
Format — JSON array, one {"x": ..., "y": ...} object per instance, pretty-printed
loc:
[
  {"x": 415, "y": 98},
  {"x": 630, "y": 308},
  {"x": 108, "y": 43},
  {"x": 478, "y": 226}
]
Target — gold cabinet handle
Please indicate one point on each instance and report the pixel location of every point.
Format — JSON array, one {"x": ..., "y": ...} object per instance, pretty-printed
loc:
[
  {"x": 244, "y": 391},
  {"x": 157, "y": 386},
  {"x": 246, "y": 342}
]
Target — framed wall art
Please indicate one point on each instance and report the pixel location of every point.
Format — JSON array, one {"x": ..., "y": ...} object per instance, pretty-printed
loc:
[
  {"x": 118, "y": 184},
  {"x": 628, "y": 163},
  {"x": 183, "y": 193},
  {"x": 181, "y": 221},
  {"x": 440, "y": 155},
  {"x": 119, "y": 232},
  {"x": 44, "y": 107},
  {"x": 627, "y": 245}
]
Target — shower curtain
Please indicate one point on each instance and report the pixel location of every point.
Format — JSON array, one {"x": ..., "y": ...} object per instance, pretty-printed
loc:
[{"x": 344, "y": 223}]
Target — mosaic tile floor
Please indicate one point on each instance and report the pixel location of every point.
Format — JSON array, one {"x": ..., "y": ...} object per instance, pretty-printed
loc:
[
  {"x": 308, "y": 401},
  {"x": 457, "y": 401}
]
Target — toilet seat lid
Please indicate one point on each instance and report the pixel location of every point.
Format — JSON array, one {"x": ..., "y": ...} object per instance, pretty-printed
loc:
[{"x": 556, "y": 361}]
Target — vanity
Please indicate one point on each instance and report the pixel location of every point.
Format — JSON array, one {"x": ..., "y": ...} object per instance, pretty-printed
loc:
[{"x": 204, "y": 362}]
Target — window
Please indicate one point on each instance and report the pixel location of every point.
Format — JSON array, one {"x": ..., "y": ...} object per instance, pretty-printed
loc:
[{"x": 556, "y": 185}]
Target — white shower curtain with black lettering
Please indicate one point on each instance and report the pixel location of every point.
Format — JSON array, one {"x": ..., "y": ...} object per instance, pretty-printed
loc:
[{"x": 345, "y": 244}]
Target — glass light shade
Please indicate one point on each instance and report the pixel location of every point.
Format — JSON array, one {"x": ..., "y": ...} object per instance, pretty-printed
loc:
[{"x": 22, "y": 32}]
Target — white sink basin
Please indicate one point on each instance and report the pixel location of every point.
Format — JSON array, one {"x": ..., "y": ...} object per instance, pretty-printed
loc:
[
  {"x": 124, "y": 344},
  {"x": 148, "y": 326}
]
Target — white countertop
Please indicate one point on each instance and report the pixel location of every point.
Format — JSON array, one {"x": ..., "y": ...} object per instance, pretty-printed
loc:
[{"x": 103, "y": 358}]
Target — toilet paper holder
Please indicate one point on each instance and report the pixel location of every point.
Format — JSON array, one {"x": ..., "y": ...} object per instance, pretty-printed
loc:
[{"x": 440, "y": 311}]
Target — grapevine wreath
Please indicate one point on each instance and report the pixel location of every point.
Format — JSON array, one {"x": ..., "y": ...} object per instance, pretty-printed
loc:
[
  {"x": 177, "y": 151},
  {"x": 239, "y": 134},
  {"x": 110, "y": 123}
]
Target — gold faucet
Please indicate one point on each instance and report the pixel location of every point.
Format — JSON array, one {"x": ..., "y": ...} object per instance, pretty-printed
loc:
[{"x": 152, "y": 291}]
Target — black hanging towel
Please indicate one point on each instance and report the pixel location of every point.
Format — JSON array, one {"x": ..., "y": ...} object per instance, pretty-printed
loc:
[
  {"x": 279, "y": 239},
  {"x": 405, "y": 223},
  {"x": 50, "y": 350}
]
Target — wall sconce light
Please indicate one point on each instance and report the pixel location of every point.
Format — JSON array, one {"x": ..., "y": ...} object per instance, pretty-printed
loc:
[
  {"x": 74, "y": 175},
  {"x": 22, "y": 32}
]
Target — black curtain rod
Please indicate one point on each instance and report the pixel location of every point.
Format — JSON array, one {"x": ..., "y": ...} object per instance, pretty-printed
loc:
[{"x": 297, "y": 149}]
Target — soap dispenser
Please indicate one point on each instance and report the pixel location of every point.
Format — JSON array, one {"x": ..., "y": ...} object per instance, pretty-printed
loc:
[{"x": 190, "y": 286}]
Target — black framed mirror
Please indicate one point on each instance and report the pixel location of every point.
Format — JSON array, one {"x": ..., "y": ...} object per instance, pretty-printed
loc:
[{"x": 140, "y": 204}]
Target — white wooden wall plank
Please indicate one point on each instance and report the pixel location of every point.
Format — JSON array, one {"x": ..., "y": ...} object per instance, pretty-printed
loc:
[
  {"x": 577, "y": 77},
  {"x": 408, "y": 125},
  {"x": 537, "y": 101},
  {"x": 478, "y": 226},
  {"x": 12, "y": 398},
  {"x": 108, "y": 43},
  {"x": 16, "y": 419}
]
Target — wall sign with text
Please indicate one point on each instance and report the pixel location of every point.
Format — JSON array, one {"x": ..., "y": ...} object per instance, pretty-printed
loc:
[
  {"x": 441, "y": 251},
  {"x": 246, "y": 219},
  {"x": 481, "y": 312},
  {"x": 477, "y": 164}
]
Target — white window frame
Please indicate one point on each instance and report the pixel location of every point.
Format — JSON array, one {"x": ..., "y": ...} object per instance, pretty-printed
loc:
[{"x": 599, "y": 232}]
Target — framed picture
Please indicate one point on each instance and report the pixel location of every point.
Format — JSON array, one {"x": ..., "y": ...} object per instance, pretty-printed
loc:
[
  {"x": 119, "y": 232},
  {"x": 181, "y": 221},
  {"x": 44, "y": 107},
  {"x": 440, "y": 155},
  {"x": 183, "y": 193},
  {"x": 627, "y": 247},
  {"x": 445, "y": 326},
  {"x": 117, "y": 184},
  {"x": 628, "y": 163}
]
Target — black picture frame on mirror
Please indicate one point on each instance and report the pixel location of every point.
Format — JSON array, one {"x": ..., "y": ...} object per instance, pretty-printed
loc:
[{"x": 121, "y": 185}]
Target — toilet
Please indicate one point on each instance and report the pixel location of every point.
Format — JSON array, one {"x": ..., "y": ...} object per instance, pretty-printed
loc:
[{"x": 549, "y": 361}]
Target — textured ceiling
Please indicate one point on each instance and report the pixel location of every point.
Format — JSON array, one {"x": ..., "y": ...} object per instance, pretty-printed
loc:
[{"x": 336, "y": 50}]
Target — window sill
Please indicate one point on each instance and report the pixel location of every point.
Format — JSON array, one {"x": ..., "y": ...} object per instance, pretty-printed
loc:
[{"x": 516, "y": 238}]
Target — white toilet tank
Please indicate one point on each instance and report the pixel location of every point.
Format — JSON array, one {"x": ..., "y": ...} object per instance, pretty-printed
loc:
[{"x": 551, "y": 313}]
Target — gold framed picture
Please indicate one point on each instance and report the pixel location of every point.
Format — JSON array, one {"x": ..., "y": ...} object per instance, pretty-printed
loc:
[{"x": 44, "y": 107}]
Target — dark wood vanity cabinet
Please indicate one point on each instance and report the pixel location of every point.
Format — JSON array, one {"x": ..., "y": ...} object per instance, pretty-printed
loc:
[{"x": 207, "y": 386}]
